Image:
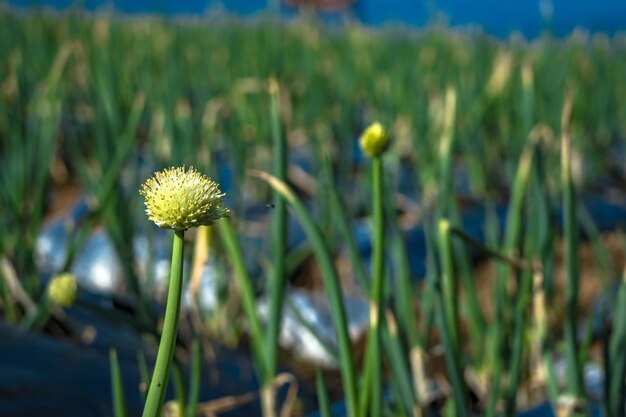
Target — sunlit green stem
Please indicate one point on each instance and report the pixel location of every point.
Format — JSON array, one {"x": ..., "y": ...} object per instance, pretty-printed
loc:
[
  {"x": 160, "y": 377},
  {"x": 376, "y": 296}
]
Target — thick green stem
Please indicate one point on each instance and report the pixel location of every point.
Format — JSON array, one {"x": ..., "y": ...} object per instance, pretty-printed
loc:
[
  {"x": 379, "y": 236},
  {"x": 376, "y": 294},
  {"x": 158, "y": 384},
  {"x": 371, "y": 374}
]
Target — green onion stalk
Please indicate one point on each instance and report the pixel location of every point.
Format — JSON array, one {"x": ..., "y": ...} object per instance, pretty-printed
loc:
[
  {"x": 177, "y": 199},
  {"x": 374, "y": 142}
]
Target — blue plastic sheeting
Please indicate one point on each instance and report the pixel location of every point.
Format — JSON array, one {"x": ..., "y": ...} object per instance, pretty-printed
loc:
[
  {"x": 43, "y": 376},
  {"x": 542, "y": 410},
  {"x": 545, "y": 410},
  {"x": 606, "y": 215}
]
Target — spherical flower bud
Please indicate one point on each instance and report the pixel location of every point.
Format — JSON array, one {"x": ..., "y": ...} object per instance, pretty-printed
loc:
[
  {"x": 62, "y": 290},
  {"x": 375, "y": 140},
  {"x": 178, "y": 199}
]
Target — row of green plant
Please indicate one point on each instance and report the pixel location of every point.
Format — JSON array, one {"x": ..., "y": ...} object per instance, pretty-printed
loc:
[
  {"x": 78, "y": 90},
  {"x": 86, "y": 96},
  {"x": 503, "y": 357},
  {"x": 194, "y": 71}
]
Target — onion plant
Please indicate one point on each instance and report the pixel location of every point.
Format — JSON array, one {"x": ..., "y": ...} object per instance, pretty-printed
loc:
[
  {"x": 95, "y": 96},
  {"x": 177, "y": 199},
  {"x": 374, "y": 142}
]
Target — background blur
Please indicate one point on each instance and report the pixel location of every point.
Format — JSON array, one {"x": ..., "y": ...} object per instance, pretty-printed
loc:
[{"x": 498, "y": 18}]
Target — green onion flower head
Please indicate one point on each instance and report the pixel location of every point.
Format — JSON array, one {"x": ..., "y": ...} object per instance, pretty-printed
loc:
[
  {"x": 179, "y": 198},
  {"x": 375, "y": 140},
  {"x": 62, "y": 290}
]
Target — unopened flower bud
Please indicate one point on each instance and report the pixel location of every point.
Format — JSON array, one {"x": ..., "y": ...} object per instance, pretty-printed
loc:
[
  {"x": 62, "y": 290},
  {"x": 375, "y": 140}
]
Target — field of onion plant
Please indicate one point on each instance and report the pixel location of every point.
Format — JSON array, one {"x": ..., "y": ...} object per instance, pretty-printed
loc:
[{"x": 428, "y": 220}]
